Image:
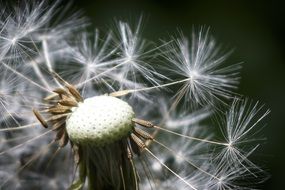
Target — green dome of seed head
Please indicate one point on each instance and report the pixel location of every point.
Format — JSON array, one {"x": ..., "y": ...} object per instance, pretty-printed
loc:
[{"x": 100, "y": 120}]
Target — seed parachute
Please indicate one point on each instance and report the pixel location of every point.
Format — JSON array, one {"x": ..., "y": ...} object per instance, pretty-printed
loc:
[{"x": 115, "y": 111}]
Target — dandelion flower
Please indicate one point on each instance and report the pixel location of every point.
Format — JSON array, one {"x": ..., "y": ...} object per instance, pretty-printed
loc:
[{"x": 90, "y": 111}]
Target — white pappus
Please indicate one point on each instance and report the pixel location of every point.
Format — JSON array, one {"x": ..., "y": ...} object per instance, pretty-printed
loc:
[{"x": 79, "y": 110}]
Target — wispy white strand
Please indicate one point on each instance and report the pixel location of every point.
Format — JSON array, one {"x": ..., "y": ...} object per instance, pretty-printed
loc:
[{"x": 121, "y": 64}]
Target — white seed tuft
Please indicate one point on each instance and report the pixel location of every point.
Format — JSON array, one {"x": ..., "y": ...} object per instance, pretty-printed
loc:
[{"x": 100, "y": 120}]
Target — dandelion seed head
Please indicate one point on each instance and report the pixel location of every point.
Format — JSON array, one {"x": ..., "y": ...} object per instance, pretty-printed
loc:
[
  {"x": 106, "y": 100},
  {"x": 100, "y": 120}
]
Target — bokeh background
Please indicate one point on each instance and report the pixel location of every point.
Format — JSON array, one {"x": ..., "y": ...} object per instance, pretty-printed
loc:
[{"x": 255, "y": 29}]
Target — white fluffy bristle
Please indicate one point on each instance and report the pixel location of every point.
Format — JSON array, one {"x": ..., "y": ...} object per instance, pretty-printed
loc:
[{"x": 100, "y": 120}]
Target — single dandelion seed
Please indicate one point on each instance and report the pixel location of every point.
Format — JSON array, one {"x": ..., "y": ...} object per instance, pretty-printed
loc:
[{"x": 200, "y": 63}]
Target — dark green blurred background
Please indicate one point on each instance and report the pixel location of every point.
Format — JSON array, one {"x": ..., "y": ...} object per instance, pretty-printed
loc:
[{"x": 253, "y": 28}]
